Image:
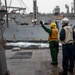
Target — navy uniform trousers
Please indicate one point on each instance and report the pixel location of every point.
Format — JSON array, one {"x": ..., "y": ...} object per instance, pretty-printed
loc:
[
  {"x": 68, "y": 56},
  {"x": 74, "y": 51}
]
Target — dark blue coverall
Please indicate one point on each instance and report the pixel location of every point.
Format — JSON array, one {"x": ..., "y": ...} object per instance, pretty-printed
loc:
[
  {"x": 74, "y": 40},
  {"x": 67, "y": 53}
]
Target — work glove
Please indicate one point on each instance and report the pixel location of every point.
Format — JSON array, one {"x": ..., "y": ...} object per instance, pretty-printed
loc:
[{"x": 42, "y": 22}]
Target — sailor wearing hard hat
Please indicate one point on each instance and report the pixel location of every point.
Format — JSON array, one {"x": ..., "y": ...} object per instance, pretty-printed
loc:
[
  {"x": 66, "y": 38},
  {"x": 53, "y": 41}
]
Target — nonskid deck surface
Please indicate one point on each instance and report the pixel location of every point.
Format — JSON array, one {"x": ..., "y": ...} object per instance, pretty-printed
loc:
[{"x": 32, "y": 62}]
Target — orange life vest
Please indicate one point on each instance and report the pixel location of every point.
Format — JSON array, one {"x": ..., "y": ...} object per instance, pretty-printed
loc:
[{"x": 54, "y": 35}]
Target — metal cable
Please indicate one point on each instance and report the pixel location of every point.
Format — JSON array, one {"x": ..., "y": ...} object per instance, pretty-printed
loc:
[
  {"x": 25, "y": 5},
  {"x": 19, "y": 2}
]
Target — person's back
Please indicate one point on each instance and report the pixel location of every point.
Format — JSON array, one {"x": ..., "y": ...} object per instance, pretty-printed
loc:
[
  {"x": 68, "y": 34},
  {"x": 66, "y": 38},
  {"x": 54, "y": 34},
  {"x": 53, "y": 41}
]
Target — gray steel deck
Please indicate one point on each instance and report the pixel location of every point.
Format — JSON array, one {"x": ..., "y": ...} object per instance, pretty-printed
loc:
[{"x": 32, "y": 62}]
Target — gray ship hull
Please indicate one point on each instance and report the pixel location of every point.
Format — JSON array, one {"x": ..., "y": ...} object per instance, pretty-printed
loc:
[
  {"x": 29, "y": 32},
  {"x": 25, "y": 33}
]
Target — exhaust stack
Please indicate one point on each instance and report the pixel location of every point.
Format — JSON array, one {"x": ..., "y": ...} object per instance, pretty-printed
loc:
[
  {"x": 74, "y": 6},
  {"x": 67, "y": 7}
]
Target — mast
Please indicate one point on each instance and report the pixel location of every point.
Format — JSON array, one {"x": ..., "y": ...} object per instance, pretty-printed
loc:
[
  {"x": 35, "y": 11},
  {"x": 0, "y": 4}
]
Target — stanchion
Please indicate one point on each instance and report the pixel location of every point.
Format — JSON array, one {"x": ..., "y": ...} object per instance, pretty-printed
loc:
[{"x": 3, "y": 65}]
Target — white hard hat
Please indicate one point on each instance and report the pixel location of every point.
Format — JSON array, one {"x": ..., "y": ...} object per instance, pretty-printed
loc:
[{"x": 65, "y": 20}]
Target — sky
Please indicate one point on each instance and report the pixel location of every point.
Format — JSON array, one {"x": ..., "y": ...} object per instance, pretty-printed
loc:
[{"x": 44, "y": 6}]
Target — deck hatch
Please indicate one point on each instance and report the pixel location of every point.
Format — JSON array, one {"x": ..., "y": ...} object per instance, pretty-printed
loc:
[{"x": 22, "y": 55}]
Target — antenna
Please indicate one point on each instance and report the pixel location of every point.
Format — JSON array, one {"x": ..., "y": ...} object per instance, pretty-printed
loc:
[
  {"x": 35, "y": 11},
  {"x": 6, "y": 14}
]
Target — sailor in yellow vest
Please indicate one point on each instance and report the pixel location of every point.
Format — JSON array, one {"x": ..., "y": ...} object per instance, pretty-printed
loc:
[
  {"x": 66, "y": 38},
  {"x": 53, "y": 41}
]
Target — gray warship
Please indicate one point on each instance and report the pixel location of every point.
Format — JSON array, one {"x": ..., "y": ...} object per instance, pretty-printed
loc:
[{"x": 26, "y": 27}]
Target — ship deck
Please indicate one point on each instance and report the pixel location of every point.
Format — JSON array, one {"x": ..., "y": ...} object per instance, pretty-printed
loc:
[{"x": 32, "y": 62}]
